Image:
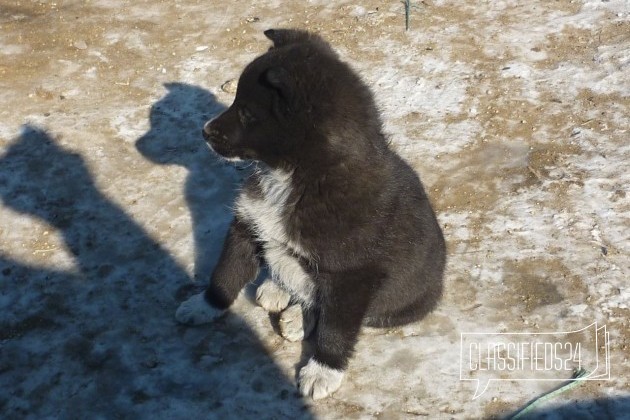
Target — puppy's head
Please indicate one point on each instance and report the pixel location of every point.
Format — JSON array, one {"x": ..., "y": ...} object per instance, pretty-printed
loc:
[{"x": 272, "y": 111}]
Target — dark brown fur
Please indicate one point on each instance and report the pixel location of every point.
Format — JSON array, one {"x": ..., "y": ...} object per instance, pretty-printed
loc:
[{"x": 376, "y": 251}]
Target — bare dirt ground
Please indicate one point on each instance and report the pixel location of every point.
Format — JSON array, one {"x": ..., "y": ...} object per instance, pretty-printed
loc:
[{"x": 515, "y": 114}]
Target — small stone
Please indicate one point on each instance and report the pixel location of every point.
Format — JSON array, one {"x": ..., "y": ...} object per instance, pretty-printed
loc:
[
  {"x": 80, "y": 44},
  {"x": 229, "y": 86}
]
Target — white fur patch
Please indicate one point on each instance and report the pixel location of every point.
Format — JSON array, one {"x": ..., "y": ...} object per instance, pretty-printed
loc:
[
  {"x": 295, "y": 323},
  {"x": 196, "y": 311},
  {"x": 286, "y": 269},
  {"x": 266, "y": 217},
  {"x": 319, "y": 381},
  {"x": 271, "y": 296},
  {"x": 265, "y": 214}
]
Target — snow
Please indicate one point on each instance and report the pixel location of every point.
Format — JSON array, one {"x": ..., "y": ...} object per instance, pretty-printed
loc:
[{"x": 113, "y": 211}]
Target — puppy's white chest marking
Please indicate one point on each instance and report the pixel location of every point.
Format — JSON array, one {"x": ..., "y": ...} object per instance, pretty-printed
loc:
[{"x": 266, "y": 215}]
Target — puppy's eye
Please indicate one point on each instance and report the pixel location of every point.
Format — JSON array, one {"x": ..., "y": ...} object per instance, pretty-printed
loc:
[{"x": 245, "y": 116}]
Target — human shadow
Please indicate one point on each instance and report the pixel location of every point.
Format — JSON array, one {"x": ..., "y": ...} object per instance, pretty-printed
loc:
[{"x": 100, "y": 340}]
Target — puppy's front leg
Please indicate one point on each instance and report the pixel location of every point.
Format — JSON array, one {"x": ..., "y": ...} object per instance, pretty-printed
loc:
[
  {"x": 238, "y": 265},
  {"x": 343, "y": 299}
]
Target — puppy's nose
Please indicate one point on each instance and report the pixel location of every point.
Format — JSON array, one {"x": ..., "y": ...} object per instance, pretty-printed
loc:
[
  {"x": 206, "y": 128},
  {"x": 209, "y": 131}
]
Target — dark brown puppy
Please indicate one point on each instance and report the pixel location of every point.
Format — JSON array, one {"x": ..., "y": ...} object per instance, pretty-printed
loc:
[{"x": 341, "y": 220}]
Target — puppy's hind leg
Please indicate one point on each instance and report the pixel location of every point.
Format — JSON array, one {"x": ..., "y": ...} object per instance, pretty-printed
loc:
[{"x": 238, "y": 265}]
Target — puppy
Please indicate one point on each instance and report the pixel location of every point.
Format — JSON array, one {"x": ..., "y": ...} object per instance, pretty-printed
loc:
[{"x": 342, "y": 222}]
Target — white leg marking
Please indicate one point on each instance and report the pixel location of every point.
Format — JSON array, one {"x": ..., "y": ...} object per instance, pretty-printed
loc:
[
  {"x": 271, "y": 297},
  {"x": 319, "y": 381},
  {"x": 287, "y": 270},
  {"x": 196, "y": 311},
  {"x": 295, "y": 323}
]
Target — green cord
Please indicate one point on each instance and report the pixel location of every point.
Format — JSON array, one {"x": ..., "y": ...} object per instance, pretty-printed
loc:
[
  {"x": 408, "y": 7},
  {"x": 578, "y": 373},
  {"x": 407, "y": 4}
]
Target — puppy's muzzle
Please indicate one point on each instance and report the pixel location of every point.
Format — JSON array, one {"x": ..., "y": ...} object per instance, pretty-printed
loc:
[{"x": 209, "y": 132}]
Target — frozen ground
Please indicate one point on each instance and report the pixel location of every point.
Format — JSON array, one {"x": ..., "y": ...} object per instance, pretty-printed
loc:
[{"x": 112, "y": 210}]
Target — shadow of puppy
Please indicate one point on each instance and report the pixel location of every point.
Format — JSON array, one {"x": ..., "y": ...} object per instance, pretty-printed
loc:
[{"x": 175, "y": 139}]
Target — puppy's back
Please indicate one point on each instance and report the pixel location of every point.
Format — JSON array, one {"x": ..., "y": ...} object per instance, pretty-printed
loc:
[{"x": 414, "y": 254}]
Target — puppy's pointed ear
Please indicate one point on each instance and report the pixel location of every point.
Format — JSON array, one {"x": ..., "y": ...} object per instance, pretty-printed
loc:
[
  {"x": 279, "y": 79},
  {"x": 281, "y": 37}
]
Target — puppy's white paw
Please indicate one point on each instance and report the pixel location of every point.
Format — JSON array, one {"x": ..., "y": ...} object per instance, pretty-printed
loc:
[
  {"x": 196, "y": 311},
  {"x": 319, "y": 381},
  {"x": 295, "y": 323},
  {"x": 271, "y": 297}
]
